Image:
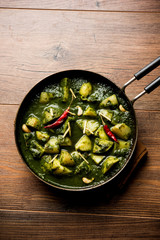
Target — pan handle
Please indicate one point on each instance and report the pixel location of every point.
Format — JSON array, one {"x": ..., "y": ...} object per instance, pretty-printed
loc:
[
  {"x": 144, "y": 71},
  {"x": 149, "y": 88}
]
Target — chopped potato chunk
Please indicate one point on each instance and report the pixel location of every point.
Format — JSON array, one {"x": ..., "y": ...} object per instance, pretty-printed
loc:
[
  {"x": 108, "y": 163},
  {"x": 86, "y": 89},
  {"x": 121, "y": 130},
  {"x": 101, "y": 145},
  {"x": 45, "y": 97},
  {"x": 84, "y": 144},
  {"x": 66, "y": 158},
  {"x": 109, "y": 101},
  {"x": 52, "y": 146},
  {"x": 90, "y": 112},
  {"x": 33, "y": 122}
]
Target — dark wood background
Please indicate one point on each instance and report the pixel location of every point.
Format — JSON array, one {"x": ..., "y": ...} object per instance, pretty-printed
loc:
[{"x": 115, "y": 39}]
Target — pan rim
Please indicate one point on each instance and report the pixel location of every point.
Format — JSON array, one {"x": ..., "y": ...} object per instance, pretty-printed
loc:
[{"x": 89, "y": 187}]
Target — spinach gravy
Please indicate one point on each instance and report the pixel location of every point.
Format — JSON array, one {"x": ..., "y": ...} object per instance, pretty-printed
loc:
[{"x": 76, "y": 133}]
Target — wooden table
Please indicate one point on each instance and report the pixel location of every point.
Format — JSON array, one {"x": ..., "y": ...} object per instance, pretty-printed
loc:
[{"x": 115, "y": 39}]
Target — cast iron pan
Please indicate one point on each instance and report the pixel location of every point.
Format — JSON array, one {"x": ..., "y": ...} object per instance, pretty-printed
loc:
[{"x": 93, "y": 77}]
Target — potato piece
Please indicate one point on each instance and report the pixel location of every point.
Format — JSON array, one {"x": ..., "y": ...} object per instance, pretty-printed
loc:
[
  {"x": 45, "y": 97},
  {"x": 65, "y": 89},
  {"x": 108, "y": 163},
  {"x": 122, "y": 131},
  {"x": 33, "y": 122},
  {"x": 80, "y": 123},
  {"x": 36, "y": 149},
  {"x": 56, "y": 163},
  {"x": 84, "y": 144},
  {"x": 109, "y": 101},
  {"x": 66, "y": 158},
  {"x": 90, "y": 112},
  {"x": 101, "y": 133},
  {"x": 51, "y": 113},
  {"x": 64, "y": 141},
  {"x": 46, "y": 165},
  {"x": 106, "y": 114},
  {"x": 121, "y": 148},
  {"x": 61, "y": 170},
  {"x": 97, "y": 158},
  {"x": 91, "y": 125},
  {"x": 42, "y": 136},
  {"x": 47, "y": 117},
  {"x": 52, "y": 146},
  {"x": 123, "y": 144},
  {"x": 85, "y": 90},
  {"x": 101, "y": 145}
]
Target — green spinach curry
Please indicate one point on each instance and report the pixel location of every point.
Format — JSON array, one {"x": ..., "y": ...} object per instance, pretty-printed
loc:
[{"x": 76, "y": 133}]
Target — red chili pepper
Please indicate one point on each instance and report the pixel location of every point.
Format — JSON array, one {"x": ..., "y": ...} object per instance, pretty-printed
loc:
[
  {"x": 59, "y": 120},
  {"x": 109, "y": 133},
  {"x": 63, "y": 116}
]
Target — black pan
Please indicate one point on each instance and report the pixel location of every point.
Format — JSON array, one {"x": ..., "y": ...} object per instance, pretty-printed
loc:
[{"x": 93, "y": 77}]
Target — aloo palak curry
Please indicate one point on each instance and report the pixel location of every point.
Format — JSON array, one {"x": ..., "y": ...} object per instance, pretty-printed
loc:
[{"x": 77, "y": 133}]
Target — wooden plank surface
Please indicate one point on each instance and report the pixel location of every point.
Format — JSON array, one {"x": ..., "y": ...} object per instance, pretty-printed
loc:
[
  {"x": 108, "y": 43},
  {"x": 96, "y": 5},
  {"x": 35, "y": 225},
  {"x": 115, "y": 39},
  {"x": 35, "y": 44}
]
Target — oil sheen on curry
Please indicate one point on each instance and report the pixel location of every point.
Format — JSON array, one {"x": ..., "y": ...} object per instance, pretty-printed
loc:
[{"x": 76, "y": 133}]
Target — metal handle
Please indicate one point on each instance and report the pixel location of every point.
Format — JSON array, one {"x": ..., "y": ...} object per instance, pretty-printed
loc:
[
  {"x": 144, "y": 71},
  {"x": 154, "y": 84},
  {"x": 149, "y": 88}
]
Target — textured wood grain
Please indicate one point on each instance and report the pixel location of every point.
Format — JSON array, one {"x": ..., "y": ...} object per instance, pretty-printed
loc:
[
  {"x": 35, "y": 44},
  {"x": 20, "y": 190},
  {"x": 98, "y": 5},
  {"x": 115, "y": 39},
  {"x": 35, "y": 225}
]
